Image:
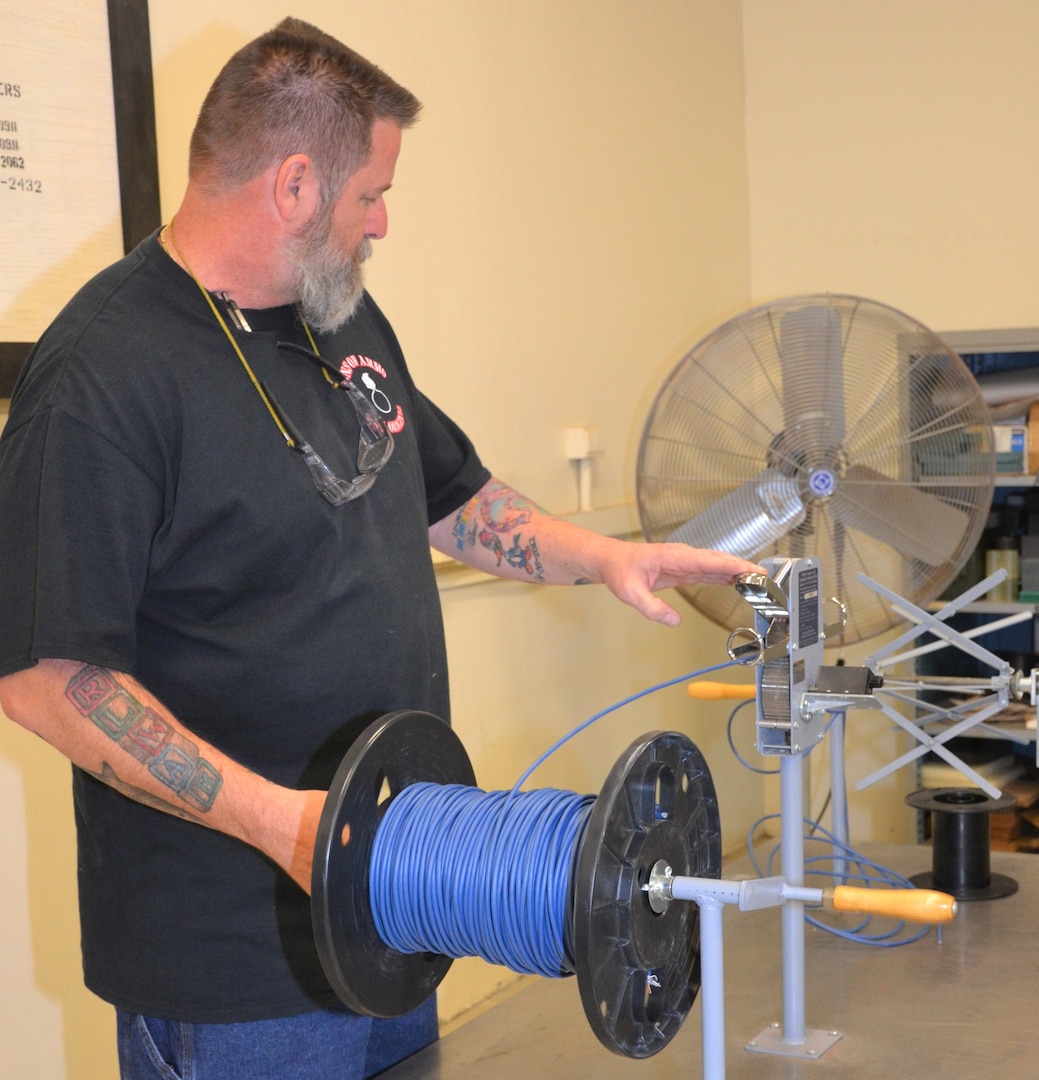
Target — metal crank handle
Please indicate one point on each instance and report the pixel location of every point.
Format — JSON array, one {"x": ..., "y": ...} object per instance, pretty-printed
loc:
[{"x": 752, "y": 894}]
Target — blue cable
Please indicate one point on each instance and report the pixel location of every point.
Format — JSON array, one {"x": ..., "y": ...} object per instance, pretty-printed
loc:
[
  {"x": 754, "y": 768},
  {"x": 878, "y": 874},
  {"x": 732, "y": 743},
  {"x": 463, "y": 872},
  {"x": 869, "y": 873},
  {"x": 613, "y": 708}
]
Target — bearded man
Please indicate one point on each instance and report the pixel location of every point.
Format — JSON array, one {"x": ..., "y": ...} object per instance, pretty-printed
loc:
[{"x": 219, "y": 487}]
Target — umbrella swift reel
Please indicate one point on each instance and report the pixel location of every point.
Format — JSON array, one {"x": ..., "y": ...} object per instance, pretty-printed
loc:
[
  {"x": 794, "y": 690},
  {"x": 983, "y": 697}
]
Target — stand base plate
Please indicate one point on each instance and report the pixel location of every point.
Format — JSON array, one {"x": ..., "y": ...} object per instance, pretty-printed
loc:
[{"x": 815, "y": 1043}]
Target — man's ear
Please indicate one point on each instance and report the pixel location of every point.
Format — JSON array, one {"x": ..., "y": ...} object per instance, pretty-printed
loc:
[{"x": 296, "y": 189}]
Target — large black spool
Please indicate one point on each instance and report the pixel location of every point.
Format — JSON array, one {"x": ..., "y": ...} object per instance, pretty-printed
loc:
[
  {"x": 961, "y": 864},
  {"x": 637, "y": 971}
]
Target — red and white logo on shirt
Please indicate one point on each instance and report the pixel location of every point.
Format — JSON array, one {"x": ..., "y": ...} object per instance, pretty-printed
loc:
[{"x": 361, "y": 371}]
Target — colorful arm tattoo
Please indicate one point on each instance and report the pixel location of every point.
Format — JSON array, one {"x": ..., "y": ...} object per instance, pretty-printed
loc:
[
  {"x": 171, "y": 758},
  {"x": 497, "y": 512}
]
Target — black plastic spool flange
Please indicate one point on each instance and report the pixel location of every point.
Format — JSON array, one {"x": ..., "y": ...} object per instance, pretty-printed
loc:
[
  {"x": 400, "y": 749},
  {"x": 639, "y": 971}
]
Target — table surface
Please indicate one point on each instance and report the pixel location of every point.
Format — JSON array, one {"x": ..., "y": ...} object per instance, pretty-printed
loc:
[{"x": 961, "y": 1009}]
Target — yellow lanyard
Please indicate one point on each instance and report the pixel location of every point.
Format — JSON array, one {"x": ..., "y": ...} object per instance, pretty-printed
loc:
[{"x": 234, "y": 344}]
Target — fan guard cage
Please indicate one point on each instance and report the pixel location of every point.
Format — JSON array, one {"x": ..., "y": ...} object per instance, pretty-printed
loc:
[{"x": 822, "y": 425}]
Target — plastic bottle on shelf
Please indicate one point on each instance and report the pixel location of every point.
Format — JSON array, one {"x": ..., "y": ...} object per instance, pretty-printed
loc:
[{"x": 1003, "y": 556}]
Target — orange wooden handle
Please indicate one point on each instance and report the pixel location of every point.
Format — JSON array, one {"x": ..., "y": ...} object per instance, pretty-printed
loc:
[
  {"x": 716, "y": 691},
  {"x": 919, "y": 905}
]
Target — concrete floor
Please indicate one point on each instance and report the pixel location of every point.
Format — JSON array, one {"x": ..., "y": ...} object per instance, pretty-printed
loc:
[{"x": 959, "y": 1010}]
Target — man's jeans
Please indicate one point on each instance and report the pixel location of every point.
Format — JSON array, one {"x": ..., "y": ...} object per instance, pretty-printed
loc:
[{"x": 332, "y": 1045}]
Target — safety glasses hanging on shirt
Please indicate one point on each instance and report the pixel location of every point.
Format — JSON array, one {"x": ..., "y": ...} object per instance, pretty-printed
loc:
[{"x": 374, "y": 447}]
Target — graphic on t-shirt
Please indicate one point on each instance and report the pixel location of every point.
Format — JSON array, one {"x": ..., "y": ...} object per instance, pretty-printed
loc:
[{"x": 378, "y": 397}]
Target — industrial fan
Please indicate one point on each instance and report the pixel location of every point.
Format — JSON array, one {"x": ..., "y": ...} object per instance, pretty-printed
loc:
[{"x": 826, "y": 425}]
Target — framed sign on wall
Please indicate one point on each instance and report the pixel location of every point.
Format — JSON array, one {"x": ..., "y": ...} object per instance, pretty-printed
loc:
[{"x": 79, "y": 179}]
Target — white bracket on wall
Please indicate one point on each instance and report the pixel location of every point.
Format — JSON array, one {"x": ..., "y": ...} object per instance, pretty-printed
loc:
[{"x": 581, "y": 445}]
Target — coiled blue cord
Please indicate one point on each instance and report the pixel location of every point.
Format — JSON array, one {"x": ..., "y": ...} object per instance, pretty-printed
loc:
[
  {"x": 463, "y": 872},
  {"x": 859, "y": 870}
]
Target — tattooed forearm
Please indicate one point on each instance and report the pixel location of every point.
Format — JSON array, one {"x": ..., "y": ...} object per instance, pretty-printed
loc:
[
  {"x": 171, "y": 758},
  {"x": 521, "y": 554},
  {"x": 495, "y": 517},
  {"x": 108, "y": 776}
]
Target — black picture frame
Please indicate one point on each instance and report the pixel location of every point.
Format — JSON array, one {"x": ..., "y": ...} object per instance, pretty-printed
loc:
[{"x": 136, "y": 149}]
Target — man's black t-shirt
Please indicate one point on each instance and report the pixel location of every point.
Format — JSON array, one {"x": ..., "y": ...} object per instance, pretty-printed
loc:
[{"x": 154, "y": 521}]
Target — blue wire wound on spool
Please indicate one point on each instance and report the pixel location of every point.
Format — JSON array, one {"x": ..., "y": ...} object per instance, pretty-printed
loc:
[{"x": 463, "y": 872}]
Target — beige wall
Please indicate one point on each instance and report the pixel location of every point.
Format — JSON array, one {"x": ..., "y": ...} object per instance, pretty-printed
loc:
[
  {"x": 569, "y": 216},
  {"x": 891, "y": 153}
]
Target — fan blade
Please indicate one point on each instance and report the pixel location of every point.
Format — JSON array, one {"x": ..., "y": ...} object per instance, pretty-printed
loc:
[
  {"x": 812, "y": 360},
  {"x": 749, "y": 518},
  {"x": 912, "y": 521}
]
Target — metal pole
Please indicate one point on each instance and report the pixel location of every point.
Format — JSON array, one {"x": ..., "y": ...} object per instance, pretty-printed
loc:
[
  {"x": 791, "y": 791},
  {"x": 712, "y": 988},
  {"x": 838, "y": 795}
]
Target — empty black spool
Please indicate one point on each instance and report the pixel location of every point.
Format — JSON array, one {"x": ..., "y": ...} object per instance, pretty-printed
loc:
[{"x": 960, "y": 855}]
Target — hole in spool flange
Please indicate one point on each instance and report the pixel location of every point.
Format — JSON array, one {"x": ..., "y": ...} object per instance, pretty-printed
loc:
[
  {"x": 664, "y": 795},
  {"x": 961, "y": 797},
  {"x": 653, "y": 998},
  {"x": 383, "y": 790}
]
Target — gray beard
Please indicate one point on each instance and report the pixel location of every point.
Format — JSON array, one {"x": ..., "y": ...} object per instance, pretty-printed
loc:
[{"x": 329, "y": 289}]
